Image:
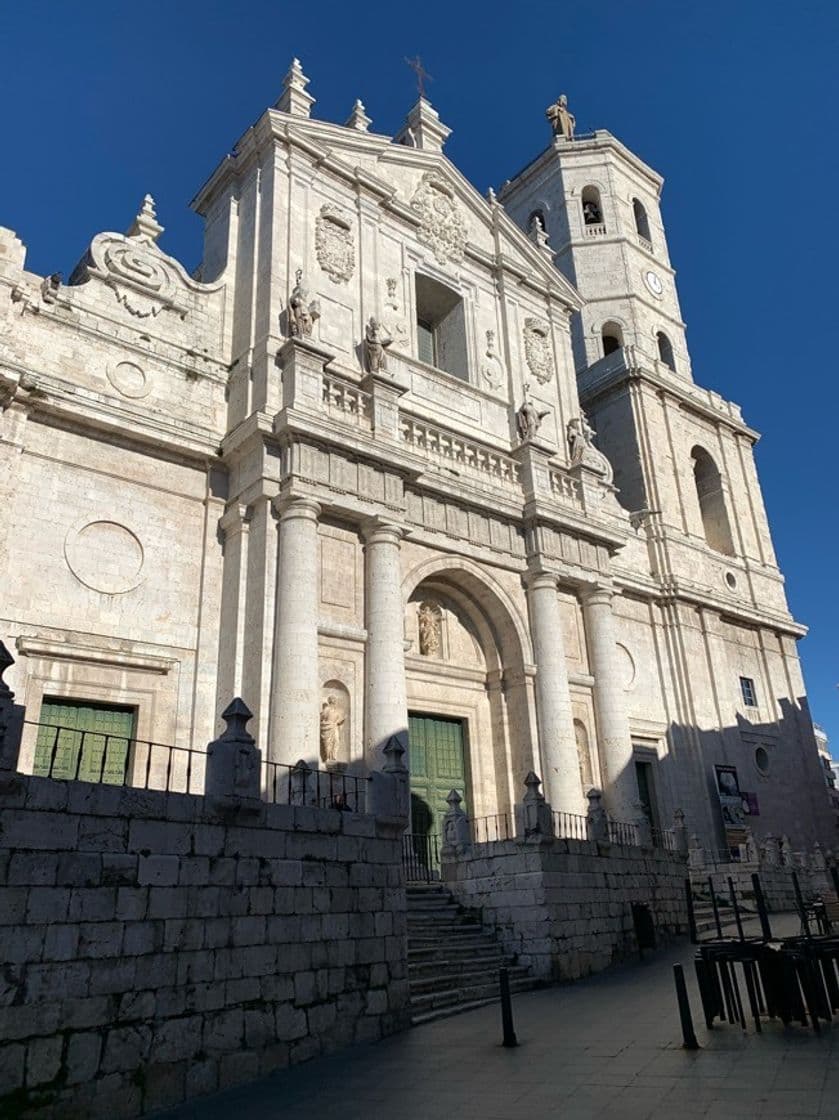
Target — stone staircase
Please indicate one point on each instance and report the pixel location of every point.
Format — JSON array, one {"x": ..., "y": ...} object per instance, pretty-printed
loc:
[{"x": 452, "y": 963}]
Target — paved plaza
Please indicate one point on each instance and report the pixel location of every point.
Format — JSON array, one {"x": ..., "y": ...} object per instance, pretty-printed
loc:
[{"x": 606, "y": 1047}]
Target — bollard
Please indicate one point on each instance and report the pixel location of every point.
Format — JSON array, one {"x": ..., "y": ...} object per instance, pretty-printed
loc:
[
  {"x": 688, "y": 1035},
  {"x": 506, "y": 1009}
]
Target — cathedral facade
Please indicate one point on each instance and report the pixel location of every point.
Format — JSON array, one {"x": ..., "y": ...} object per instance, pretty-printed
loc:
[{"x": 400, "y": 460}]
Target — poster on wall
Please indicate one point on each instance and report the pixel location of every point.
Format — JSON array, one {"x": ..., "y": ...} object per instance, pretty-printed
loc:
[{"x": 731, "y": 805}]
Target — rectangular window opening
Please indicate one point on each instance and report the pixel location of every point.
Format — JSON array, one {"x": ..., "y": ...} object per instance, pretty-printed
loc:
[
  {"x": 441, "y": 327},
  {"x": 747, "y": 690}
]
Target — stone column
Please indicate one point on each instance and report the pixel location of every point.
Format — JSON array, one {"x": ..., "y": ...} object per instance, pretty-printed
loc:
[
  {"x": 295, "y": 729},
  {"x": 613, "y": 737},
  {"x": 386, "y": 704},
  {"x": 558, "y": 746}
]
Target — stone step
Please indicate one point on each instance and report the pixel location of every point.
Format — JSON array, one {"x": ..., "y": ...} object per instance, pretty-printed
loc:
[
  {"x": 450, "y": 978},
  {"x": 460, "y": 946},
  {"x": 465, "y": 993}
]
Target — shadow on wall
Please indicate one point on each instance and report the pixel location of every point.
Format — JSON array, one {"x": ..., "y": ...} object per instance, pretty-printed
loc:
[{"x": 760, "y": 776}]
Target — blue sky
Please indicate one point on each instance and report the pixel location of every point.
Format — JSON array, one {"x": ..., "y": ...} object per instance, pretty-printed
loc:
[{"x": 734, "y": 103}]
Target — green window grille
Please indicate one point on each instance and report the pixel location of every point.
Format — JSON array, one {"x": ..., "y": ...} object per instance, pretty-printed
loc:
[{"x": 83, "y": 740}]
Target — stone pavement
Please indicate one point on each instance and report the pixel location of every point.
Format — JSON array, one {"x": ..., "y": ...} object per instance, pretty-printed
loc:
[{"x": 605, "y": 1047}]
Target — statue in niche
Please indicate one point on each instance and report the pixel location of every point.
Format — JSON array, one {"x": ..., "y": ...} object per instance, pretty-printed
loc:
[
  {"x": 561, "y": 118},
  {"x": 301, "y": 312},
  {"x": 430, "y": 626},
  {"x": 376, "y": 341},
  {"x": 529, "y": 418},
  {"x": 331, "y": 721}
]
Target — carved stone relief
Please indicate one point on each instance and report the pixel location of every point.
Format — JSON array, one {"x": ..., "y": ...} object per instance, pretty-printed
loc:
[
  {"x": 537, "y": 349},
  {"x": 129, "y": 379},
  {"x": 334, "y": 243},
  {"x": 442, "y": 227}
]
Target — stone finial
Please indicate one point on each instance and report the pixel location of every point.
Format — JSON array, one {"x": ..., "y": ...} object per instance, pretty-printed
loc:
[
  {"x": 539, "y": 235},
  {"x": 680, "y": 832},
  {"x": 294, "y": 99},
  {"x": 146, "y": 223},
  {"x": 394, "y": 752},
  {"x": 423, "y": 129},
  {"x": 358, "y": 119},
  {"x": 696, "y": 853},
  {"x": 233, "y": 760},
  {"x": 536, "y": 819}
]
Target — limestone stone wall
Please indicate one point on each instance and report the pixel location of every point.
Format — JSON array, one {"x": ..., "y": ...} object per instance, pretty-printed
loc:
[
  {"x": 156, "y": 947},
  {"x": 565, "y": 909}
]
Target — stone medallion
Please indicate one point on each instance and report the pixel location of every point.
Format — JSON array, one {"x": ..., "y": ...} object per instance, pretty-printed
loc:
[
  {"x": 105, "y": 556},
  {"x": 442, "y": 227},
  {"x": 129, "y": 379},
  {"x": 537, "y": 349}
]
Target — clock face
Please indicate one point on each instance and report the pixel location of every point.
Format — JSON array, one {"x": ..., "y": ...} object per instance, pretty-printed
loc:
[{"x": 653, "y": 282}]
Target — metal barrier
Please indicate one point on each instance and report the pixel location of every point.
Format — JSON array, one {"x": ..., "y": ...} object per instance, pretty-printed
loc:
[
  {"x": 70, "y": 754},
  {"x": 623, "y": 832},
  {"x": 302, "y": 784},
  {"x": 570, "y": 826},
  {"x": 421, "y": 857},
  {"x": 486, "y": 830}
]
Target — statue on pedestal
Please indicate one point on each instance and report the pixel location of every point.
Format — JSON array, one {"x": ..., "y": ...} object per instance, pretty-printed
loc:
[
  {"x": 331, "y": 720},
  {"x": 376, "y": 341},
  {"x": 561, "y": 118},
  {"x": 529, "y": 418},
  {"x": 301, "y": 313}
]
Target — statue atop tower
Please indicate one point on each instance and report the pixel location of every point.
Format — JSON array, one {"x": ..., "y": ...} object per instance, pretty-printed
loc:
[{"x": 561, "y": 118}]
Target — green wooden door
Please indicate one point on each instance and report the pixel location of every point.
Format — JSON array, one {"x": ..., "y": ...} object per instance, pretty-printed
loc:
[
  {"x": 83, "y": 740},
  {"x": 438, "y": 765}
]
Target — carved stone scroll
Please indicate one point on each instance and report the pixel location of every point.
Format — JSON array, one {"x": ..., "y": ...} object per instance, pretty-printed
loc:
[
  {"x": 334, "y": 243},
  {"x": 537, "y": 349}
]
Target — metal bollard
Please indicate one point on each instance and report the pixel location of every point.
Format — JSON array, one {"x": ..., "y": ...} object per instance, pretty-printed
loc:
[
  {"x": 506, "y": 1009},
  {"x": 688, "y": 1036}
]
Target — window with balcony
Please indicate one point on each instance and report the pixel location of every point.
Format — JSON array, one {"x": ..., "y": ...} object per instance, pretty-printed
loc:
[
  {"x": 612, "y": 336},
  {"x": 665, "y": 350},
  {"x": 441, "y": 327},
  {"x": 592, "y": 210},
  {"x": 711, "y": 499},
  {"x": 642, "y": 222}
]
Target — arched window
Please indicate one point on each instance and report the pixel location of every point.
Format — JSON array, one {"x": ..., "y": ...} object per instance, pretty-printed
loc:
[
  {"x": 537, "y": 216},
  {"x": 642, "y": 223},
  {"x": 665, "y": 350},
  {"x": 711, "y": 502},
  {"x": 612, "y": 338},
  {"x": 592, "y": 210}
]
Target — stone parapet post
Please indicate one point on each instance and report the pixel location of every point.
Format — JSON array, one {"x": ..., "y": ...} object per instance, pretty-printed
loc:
[
  {"x": 302, "y": 364},
  {"x": 696, "y": 854},
  {"x": 643, "y": 828},
  {"x": 390, "y": 790},
  {"x": 680, "y": 833},
  {"x": 11, "y": 718},
  {"x": 535, "y": 818},
  {"x": 384, "y": 392},
  {"x": 598, "y": 819},
  {"x": 457, "y": 838},
  {"x": 233, "y": 760}
]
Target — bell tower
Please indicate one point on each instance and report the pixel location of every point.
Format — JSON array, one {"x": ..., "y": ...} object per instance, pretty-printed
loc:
[{"x": 599, "y": 206}]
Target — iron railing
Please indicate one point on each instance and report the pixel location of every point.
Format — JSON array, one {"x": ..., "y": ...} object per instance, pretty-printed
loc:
[
  {"x": 664, "y": 838},
  {"x": 570, "y": 826},
  {"x": 72, "y": 754},
  {"x": 623, "y": 832},
  {"x": 486, "y": 830},
  {"x": 305, "y": 785},
  {"x": 421, "y": 857}
]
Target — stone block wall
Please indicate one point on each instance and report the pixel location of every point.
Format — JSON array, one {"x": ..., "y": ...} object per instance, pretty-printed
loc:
[
  {"x": 564, "y": 908},
  {"x": 159, "y": 946}
]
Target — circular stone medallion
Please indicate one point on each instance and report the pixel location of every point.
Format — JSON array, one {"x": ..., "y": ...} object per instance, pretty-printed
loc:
[
  {"x": 104, "y": 556},
  {"x": 129, "y": 379}
]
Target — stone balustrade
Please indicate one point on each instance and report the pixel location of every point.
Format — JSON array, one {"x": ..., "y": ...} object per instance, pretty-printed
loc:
[
  {"x": 346, "y": 402},
  {"x": 464, "y": 454}
]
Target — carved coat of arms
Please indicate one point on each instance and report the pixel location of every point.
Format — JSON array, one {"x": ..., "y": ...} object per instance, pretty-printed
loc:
[
  {"x": 537, "y": 349},
  {"x": 334, "y": 243},
  {"x": 442, "y": 227}
]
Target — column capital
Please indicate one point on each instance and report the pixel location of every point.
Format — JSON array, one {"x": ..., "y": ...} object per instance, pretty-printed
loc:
[
  {"x": 535, "y": 580},
  {"x": 235, "y": 519},
  {"x": 597, "y": 594},
  {"x": 285, "y": 508},
  {"x": 379, "y": 530}
]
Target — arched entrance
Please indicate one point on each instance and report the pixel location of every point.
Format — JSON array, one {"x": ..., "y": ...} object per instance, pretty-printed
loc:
[{"x": 468, "y": 690}]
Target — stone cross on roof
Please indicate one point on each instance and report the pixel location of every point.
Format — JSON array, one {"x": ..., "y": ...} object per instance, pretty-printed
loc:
[{"x": 421, "y": 73}]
